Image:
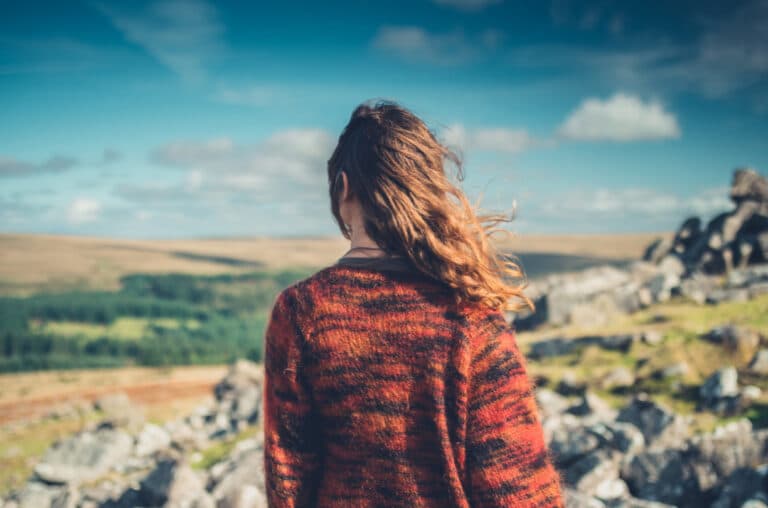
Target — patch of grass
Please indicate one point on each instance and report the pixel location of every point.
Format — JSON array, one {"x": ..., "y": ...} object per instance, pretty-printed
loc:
[
  {"x": 21, "y": 446},
  {"x": 683, "y": 324},
  {"x": 127, "y": 328},
  {"x": 220, "y": 450}
]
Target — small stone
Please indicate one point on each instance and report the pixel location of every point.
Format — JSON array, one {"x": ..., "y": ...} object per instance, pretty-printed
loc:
[
  {"x": 652, "y": 337},
  {"x": 759, "y": 363}
]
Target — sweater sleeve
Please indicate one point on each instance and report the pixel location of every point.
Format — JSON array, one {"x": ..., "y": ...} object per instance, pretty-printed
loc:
[
  {"x": 291, "y": 460},
  {"x": 508, "y": 463}
]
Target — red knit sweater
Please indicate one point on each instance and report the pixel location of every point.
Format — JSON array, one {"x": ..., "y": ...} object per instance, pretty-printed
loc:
[{"x": 380, "y": 392}]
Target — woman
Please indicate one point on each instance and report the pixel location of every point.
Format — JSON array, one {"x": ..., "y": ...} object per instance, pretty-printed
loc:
[{"x": 392, "y": 377}]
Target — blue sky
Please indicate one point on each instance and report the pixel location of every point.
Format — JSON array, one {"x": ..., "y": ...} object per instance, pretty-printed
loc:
[{"x": 188, "y": 118}]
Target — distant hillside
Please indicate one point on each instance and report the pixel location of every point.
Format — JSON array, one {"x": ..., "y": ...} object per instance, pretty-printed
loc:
[{"x": 33, "y": 263}]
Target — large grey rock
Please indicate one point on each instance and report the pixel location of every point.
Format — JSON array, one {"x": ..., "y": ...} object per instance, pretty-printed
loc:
[
  {"x": 239, "y": 392},
  {"x": 592, "y": 408},
  {"x": 174, "y": 484},
  {"x": 594, "y": 472},
  {"x": 759, "y": 363},
  {"x": 741, "y": 485},
  {"x": 634, "y": 502},
  {"x": 40, "y": 495},
  {"x": 620, "y": 436},
  {"x": 242, "y": 484},
  {"x": 570, "y": 444},
  {"x": 575, "y": 499},
  {"x": 728, "y": 448},
  {"x": 119, "y": 411},
  {"x": 659, "y": 426},
  {"x": 720, "y": 392},
  {"x": 661, "y": 475},
  {"x": 85, "y": 456},
  {"x": 550, "y": 403},
  {"x": 589, "y": 297},
  {"x": 618, "y": 377},
  {"x": 152, "y": 439},
  {"x": 736, "y": 338},
  {"x": 748, "y": 185}
]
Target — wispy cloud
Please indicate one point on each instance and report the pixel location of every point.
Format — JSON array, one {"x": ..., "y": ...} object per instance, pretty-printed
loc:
[
  {"x": 415, "y": 44},
  {"x": 635, "y": 202},
  {"x": 727, "y": 56},
  {"x": 621, "y": 117},
  {"x": 10, "y": 167},
  {"x": 184, "y": 35},
  {"x": 494, "y": 139},
  {"x": 242, "y": 184}
]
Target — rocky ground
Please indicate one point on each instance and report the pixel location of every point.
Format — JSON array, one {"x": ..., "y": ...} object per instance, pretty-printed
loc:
[
  {"x": 640, "y": 455},
  {"x": 661, "y": 402}
]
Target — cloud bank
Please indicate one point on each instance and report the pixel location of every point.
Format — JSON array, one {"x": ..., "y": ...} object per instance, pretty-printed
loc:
[{"x": 621, "y": 117}]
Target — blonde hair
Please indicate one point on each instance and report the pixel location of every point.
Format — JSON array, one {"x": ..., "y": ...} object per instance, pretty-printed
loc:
[{"x": 395, "y": 168}]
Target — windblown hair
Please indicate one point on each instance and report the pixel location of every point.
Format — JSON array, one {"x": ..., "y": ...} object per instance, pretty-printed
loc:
[{"x": 395, "y": 168}]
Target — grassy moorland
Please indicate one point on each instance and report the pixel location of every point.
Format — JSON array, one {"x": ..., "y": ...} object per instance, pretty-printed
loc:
[
  {"x": 683, "y": 325},
  {"x": 142, "y": 310},
  {"x": 42, "y": 263}
]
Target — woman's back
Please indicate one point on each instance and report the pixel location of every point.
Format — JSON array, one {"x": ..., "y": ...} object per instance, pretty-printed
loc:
[{"x": 380, "y": 393}]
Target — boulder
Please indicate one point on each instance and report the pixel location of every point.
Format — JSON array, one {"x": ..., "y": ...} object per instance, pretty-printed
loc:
[
  {"x": 742, "y": 485},
  {"x": 652, "y": 337},
  {"x": 550, "y": 403},
  {"x": 593, "y": 408},
  {"x": 239, "y": 393},
  {"x": 174, "y": 484},
  {"x": 729, "y": 447},
  {"x": 619, "y": 377},
  {"x": 85, "y": 456},
  {"x": 720, "y": 392},
  {"x": 570, "y": 444},
  {"x": 660, "y": 426},
  {"x": 575, "y": 499},
  {"x": 748, "y": 185},
  {"x": 738, "y": 339},
  {"x": 662, "y": 475},
  {"x": 119, "y": 411},
  {"x": 593, "y": 472},
  {"x": 152, "y": 439},
  {"x": 759, "y": 362},
  {"x": 242, "y": 482}
]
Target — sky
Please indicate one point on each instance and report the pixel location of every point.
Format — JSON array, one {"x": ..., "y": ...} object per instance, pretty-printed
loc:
[{"x": 193, "y": 118}]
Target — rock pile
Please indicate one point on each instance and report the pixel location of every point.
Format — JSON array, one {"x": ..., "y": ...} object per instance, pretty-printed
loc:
[
  {"x": 734, "y": 239},
  {"x": 642, "y": 455},
  {"x": 691, "y": 265},
  {"x": 125, "y": 462}
]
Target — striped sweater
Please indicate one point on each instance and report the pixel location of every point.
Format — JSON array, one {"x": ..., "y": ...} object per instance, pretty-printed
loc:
[{"x": 380, "y": 392}]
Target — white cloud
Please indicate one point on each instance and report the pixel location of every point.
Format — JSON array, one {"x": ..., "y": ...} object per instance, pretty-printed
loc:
[
  {"x": 415, "y": 44},
  {"x": 622, "y": 117},
  {"x": 184, "y": 35},
  {"x": 494, "y": 139},
  {"x": 288, "y": 165},
  {"x": 467, "y": 5},
  {"x": 637, "y": 202},
  {"x": 83, "y": 210}
]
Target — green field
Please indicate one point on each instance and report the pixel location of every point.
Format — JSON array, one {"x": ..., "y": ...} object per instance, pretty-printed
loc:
[
  {"x": 684, "y": 325},
  {"x": 167, "y": 319}
]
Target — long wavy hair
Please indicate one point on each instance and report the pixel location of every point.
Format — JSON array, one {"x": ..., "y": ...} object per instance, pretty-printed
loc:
[{"x": 395, "y": 167}]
